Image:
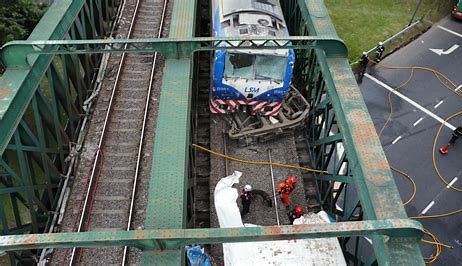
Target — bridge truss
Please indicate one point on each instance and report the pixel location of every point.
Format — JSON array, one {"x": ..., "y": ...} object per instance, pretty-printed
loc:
[{"x": 42, "y": 107}]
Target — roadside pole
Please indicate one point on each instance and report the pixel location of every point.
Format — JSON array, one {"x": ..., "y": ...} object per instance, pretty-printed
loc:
[{"x": 415, "y": 12}]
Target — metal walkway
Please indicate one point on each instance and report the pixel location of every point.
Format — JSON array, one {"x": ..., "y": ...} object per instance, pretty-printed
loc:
[{"x": 43, "y": 93}]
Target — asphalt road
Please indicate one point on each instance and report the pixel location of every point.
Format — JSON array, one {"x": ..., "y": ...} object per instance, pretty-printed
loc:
[{"x": 409, "y": 136}]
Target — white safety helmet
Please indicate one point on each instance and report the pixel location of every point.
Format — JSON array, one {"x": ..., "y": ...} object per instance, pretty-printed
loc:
[{"x": 247, "y": 188}]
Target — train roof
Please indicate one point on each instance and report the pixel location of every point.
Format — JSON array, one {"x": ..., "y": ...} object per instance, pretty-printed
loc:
[
  {"x": 251, "y": 18},
  {"x": 269, "y": 7}
]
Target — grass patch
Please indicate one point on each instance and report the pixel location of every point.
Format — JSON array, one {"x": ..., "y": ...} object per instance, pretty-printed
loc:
[{"x": 364, "y": 23}]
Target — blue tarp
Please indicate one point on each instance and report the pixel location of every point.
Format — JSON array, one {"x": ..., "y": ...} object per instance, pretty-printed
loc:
[{"x": 197, "y": 256}]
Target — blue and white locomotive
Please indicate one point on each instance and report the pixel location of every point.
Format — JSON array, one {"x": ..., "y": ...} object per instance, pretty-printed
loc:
[{"x": 258, "y": 80}]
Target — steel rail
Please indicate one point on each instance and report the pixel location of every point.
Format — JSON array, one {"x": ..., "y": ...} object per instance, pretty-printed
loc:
[
  {"x": 146, "y": 109},
  {"x": 274, "y": 188},
  {"x": 89, "y": 103},
  {"x": 103, "y": 133},
  {"x": 226, "y": 152}
]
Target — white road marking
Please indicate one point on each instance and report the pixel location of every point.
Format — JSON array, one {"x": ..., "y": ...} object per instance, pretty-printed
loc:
[
  {"x": 421, "y": 108},
  {"x": 438, "y": 104},
  {"x": 458, "y": 88},
  {"x": 450, "y": 31},
  {"x": 396, "y": 140},
  {"x": 443, "y": 52},
  {"x": 418, "y": 121},
  {"x": 452, "y": 182},
  {"x": 428, "y": 207}
]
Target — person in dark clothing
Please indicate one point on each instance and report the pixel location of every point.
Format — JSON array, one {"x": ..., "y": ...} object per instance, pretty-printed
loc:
[
  {"x": 457, "y": 133},
  {"x": 363, "y": 66},
  {"x": 379, "y": 51},
  {"x": 246, "y": 199},
  {"x": 295, "y": 213}
]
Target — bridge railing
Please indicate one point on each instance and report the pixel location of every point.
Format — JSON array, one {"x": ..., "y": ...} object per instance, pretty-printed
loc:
[
  {"x": 41, "y": 112},
  {"x": 341, "y": 139},
  {"x": 41, "y": 120}
]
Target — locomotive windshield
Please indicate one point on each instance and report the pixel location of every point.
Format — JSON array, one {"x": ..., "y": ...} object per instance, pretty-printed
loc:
[{"x": 251, "y": 66}]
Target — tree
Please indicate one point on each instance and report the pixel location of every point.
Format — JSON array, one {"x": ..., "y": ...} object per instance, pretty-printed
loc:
[{"x": 18, "y": 18}]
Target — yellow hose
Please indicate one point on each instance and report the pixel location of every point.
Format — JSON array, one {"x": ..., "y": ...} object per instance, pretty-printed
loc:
[
  {"x": 438, "y": 74},
  {"x": 258, "y": 163},
  {"x": 414, "y": 186},
  {"x": 441, "y": 78},
  {"x": 390, "y": 114},
  {"x": 437, "y": 245},
  {"x": 434, "y": 149},
  {"x": 390, "y": 104}
]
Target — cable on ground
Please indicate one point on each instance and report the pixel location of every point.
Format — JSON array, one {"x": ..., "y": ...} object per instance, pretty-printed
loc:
[
  {"x": 441, "y": 78},
  {"x": 433, "y": 153},
  {"x": 390, "y": 114},
  {"x": 435, "y": 166},
  {"x": 258, "y": 163},
  {"x": 414, "y": 186},
  {"x": 438, "y": 247},
  {"x": 438, "y": 75}
]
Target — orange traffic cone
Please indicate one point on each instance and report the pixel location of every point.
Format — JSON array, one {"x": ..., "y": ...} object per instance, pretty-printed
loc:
[{"x": 444, "y": 149}]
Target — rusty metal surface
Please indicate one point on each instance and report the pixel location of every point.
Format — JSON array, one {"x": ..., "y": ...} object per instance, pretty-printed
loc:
[
  {"x": 19, "y": 84},
  {"x": 372, "y": 175},
  {"x": 172, "y": 239},
  {"x": 167, "y": 186},
  {"x": 18, "y": 53}
]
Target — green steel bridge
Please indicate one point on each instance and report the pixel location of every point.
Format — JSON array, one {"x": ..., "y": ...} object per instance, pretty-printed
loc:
[{"x": 48, "y": 79}]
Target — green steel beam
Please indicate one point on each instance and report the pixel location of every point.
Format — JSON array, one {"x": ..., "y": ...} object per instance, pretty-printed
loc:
[
  {"x": 167, "y": 186},
  {"x": 178, "y": 238},
  {"x": 18, "y": 85},
  {"x": 39, "y": 117},
  {"x": 337, "y": 178},
  {"x": 27, "y": 62},
  {"x": 17, "y": 53},
  {"x": 372, "y": 175}
]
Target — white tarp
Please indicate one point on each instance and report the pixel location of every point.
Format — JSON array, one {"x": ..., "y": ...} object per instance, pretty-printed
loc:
[{"x": 324, "y": 251}]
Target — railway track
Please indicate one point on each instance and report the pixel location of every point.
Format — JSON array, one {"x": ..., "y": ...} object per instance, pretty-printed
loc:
[
  {"x": 201, "y": 136},
  {"x": 109, "y": 195},
  {"x": 210, "y": 131},
  {"x": 200, "y": 130}
]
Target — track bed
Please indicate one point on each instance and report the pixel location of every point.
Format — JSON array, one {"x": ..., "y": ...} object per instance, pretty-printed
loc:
[{"x": 283, "y": 150}]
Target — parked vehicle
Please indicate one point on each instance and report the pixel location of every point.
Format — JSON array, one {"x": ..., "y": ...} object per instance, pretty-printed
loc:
[{"x": 457, "y": 10}]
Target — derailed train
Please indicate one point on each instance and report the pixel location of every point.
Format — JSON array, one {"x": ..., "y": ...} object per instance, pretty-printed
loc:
[{"x": 253, "y": 86}]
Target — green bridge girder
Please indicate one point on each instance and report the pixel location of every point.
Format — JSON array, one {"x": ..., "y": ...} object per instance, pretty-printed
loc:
[
  {"x": 41, "y": 110},
  {"x": 323, "y": 75},
  {"x": 165, "y": 239},
  {"x": 16, "y": 54}
]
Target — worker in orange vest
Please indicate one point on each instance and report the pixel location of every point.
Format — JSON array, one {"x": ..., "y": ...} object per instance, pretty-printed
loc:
[
  {"x": 456, "y": 134},
  {"x": 295, "y": 213},
  {"x": 285, "y": 188}
]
